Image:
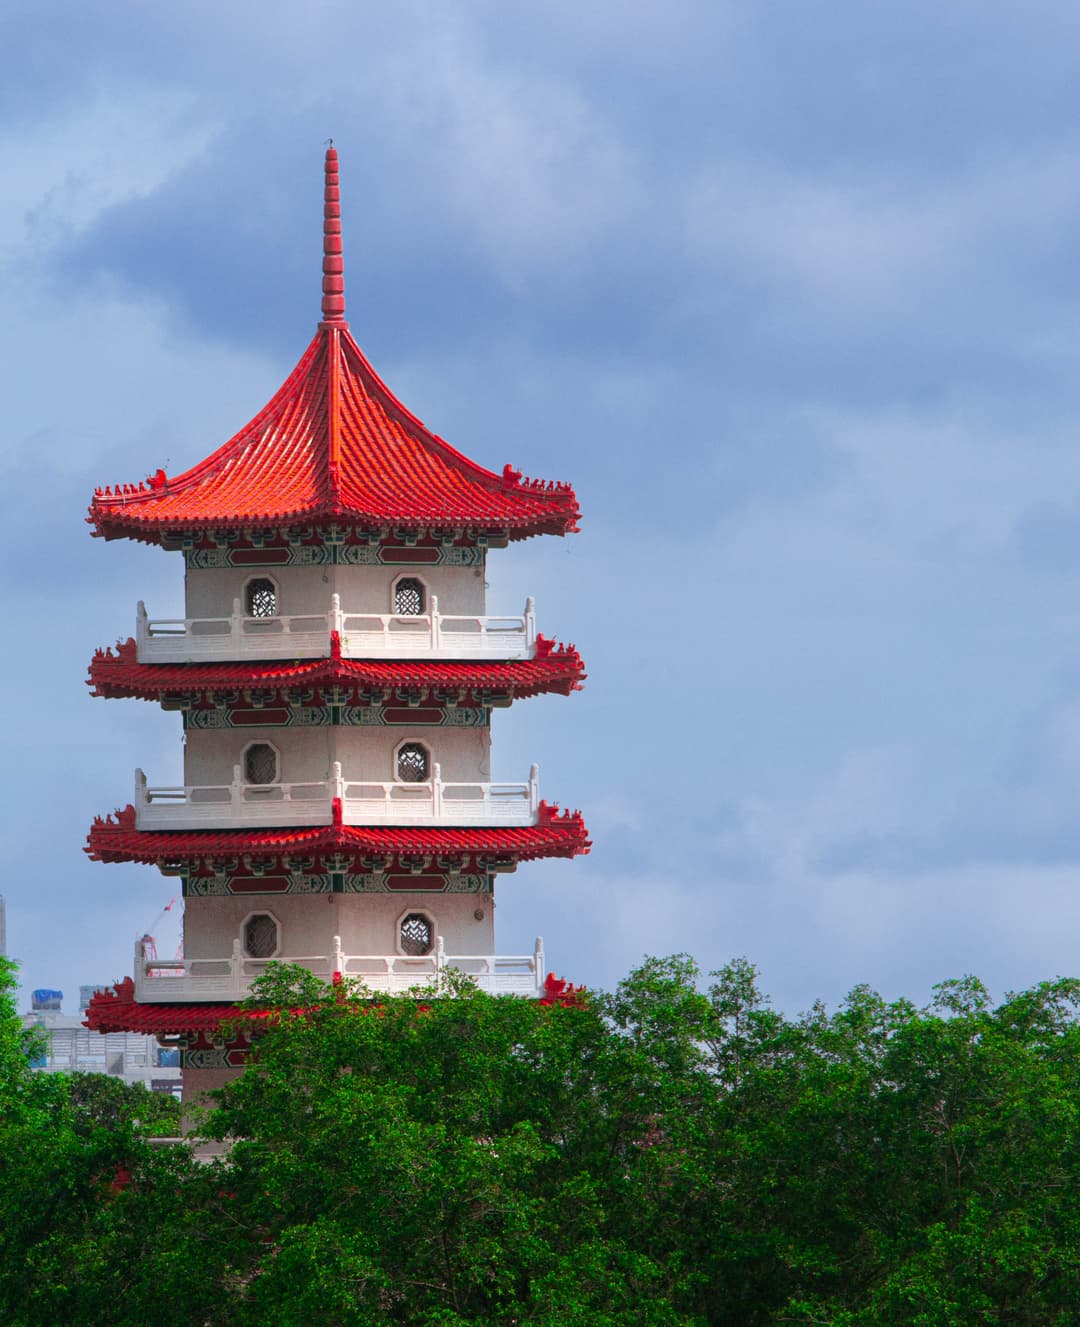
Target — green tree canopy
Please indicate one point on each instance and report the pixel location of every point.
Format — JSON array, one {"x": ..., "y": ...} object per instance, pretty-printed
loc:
[{"x": 675, "y": 1153}]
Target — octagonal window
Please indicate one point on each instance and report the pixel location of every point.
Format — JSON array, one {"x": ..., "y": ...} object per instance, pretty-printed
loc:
[
  {"x": 412, "y": 763},
  {"x": 260, "y": 763},
  {"x": 409, "y": 597},
  {"x": 260, "y": 936},
  {"x": 416, "y": 935},
  {"x": 260, "y": 597}
]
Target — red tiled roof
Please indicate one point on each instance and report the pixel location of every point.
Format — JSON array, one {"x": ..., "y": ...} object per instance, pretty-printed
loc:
[
  {"x": 557, "y": 834},
  {"x": 334, "y": 444},
  {"x": 117, "y": 1011},
  {"x": 117, "y": 673}
]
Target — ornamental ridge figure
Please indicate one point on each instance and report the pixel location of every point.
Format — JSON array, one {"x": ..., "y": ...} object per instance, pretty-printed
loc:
[{"x": 335, "y": 672}]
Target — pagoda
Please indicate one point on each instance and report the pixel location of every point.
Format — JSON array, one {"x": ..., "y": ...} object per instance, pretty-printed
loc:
[{"x": 335, "y": 673}]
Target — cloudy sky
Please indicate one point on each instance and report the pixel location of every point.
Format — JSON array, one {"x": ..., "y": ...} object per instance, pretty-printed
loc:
[{"x": 791, "y": 293}]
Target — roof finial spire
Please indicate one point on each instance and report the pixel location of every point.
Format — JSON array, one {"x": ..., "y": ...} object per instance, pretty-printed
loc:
[{"x": 333, "y": 266}]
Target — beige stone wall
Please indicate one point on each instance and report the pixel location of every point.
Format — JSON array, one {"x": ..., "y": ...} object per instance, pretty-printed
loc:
[
  {"x": 196, "y": 1083},
  {"x": 210, "y": 592},
  {"x": 366, "y": 923},
  {"x": 306, "y": 754}
]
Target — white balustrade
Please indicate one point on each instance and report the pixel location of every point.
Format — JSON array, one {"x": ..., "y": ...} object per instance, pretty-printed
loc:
[
  {"x": 209, "y": 639},
  {"x": 438, "y": 635},
  {"x": 239, "y": 805},
  {"x": 231, "y": 805},
  {"x": 431, "y": 635},
  {"x": 437, "y": 803},
  {"x": 229, "y": 977}
]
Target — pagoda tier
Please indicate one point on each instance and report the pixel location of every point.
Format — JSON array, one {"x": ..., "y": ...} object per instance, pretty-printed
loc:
[
  {"x": 200, "y": 1025},
  {"x": 409, "y": 684},
  {"x": 335, "y": 447},
  {"x": 555, "y": 834},
  {"x": 116, "y": 1010}
]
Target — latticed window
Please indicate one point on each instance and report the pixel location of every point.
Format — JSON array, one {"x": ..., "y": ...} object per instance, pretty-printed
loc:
[
  {"x": 260, "y": 598},
  {"x": 260, "y": 936},
  {"x": 416, "y": 934},
  {"x": 412, "y": 763},
  {"x": 409, "y": 597},
  {"x": 260, "y": 763}
]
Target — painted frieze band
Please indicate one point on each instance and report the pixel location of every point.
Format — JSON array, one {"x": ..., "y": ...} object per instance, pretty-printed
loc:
[
  {"x": 226, "y": 883},
  {"x": 333, "y": 547},
  {"x": 335, "y": 714}
]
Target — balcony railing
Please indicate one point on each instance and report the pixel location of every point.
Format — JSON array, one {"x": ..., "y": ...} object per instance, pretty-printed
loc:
[
  {"x": 431, "y": 635},
  {"x": 230, "y": 978},
  {"x": 240, "y": 805}
]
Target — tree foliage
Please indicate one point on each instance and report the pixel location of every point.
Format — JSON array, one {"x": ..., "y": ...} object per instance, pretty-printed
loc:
[
  {"x": 64, "y": 1140},
  {"x": 676, "y": 1152}
]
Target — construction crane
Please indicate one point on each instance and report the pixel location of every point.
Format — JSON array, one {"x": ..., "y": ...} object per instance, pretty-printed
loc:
[{"x": 149, "y": 944}]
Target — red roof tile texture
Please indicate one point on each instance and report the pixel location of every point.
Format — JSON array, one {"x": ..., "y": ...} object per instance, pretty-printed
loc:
[
  {"x": 557, "y": 834},
  {"x": 334, "y": 444},
  {"x": 117, "y": 673},
  {"x": 117, "y": 1011}
]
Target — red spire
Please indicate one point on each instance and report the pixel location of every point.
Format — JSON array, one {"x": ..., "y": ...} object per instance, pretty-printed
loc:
[{"x": 333, "y": 266}]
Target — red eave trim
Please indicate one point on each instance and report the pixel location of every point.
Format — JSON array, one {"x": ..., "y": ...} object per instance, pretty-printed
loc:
[
  {"x": 118, "y": 674},
  {"x": 557, "y": 834},
  {"x": 118, "y": 1011}
]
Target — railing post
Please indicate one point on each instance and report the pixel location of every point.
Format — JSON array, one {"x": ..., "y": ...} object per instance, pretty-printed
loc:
[
  {"x": 436, "y": 629},
  {"x": 336, "y": 618},
  {"x": 534, "y": 789},
  {"x": 538, "y": 963},
  {"x": 236, "y": 968},
  {"x": 141, "y": 797},
  {"x": 235, "y": 625},
  {"x": 140, "y": 968},
  {"x": 236, "y": 789},
  {"x": 142, "y": 628},
  {"x": 337, "y": 959},
  {"x": 440, "y": 956},
  {"x": 337, "y": 783},
  {"x": 436, "y": 791},
  {"x": 530, "y": 622}
]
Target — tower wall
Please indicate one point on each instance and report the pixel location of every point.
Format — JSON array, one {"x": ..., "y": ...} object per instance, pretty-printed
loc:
[
  {"x": 197, "y": 1084},
  {"x": 210, "y": 592},
  {"x": 366, "y": 923},
  {"x": 365, "y": 753}
]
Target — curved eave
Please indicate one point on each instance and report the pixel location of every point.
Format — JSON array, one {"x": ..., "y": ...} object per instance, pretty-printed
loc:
[
  {"x": 334, "y": 445},
  {"x": 118, "y": 1011},
  {"x": 117, "y": 674},
  {"x": 557, "y": 834},
  {"x": 110, "y": 525}
]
